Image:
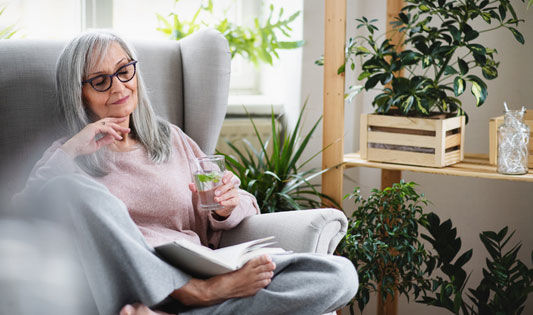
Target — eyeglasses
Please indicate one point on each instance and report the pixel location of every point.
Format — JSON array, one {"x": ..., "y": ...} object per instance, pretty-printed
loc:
[{"x": 103, "y": 82}]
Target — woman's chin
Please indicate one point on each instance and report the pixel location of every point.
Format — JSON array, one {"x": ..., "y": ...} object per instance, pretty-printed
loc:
[{"x": 121, "y": 112}]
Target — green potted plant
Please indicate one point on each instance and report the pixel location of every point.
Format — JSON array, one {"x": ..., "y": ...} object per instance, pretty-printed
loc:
[
  {"x": 506, "y": 281},
  {"x": 383, "y": 243},
  {"x": 438, "y": 57},
  {"x": 276, "y": 176},
  {"x": 258, "y": 43}
]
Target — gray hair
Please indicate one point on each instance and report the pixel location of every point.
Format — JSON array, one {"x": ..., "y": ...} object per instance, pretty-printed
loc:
[{"x": 75, "y": 60}]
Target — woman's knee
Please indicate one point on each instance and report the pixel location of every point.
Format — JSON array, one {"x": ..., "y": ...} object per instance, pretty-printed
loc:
[{"x": 346, "y": 277}]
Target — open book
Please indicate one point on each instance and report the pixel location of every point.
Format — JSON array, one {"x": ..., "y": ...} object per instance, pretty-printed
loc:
[{"x": 205, "y": 262}]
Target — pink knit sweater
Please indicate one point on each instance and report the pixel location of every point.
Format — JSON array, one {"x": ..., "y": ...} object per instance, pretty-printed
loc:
[{"x": 157, "y": 195}]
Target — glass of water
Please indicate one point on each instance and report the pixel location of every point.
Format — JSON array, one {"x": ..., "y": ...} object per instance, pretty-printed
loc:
[{"x": 207, "y": 173}]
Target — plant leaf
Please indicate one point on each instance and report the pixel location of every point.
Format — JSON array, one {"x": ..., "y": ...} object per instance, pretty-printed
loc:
[
  {"x": 517, "y": 35},
  {"x": 463, "y": 66},
  {"x": 479, "y": 89},
  {"x": 458, "y": 86}
]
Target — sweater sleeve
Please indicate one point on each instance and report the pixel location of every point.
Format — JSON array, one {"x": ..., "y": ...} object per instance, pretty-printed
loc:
[{"x": 54, "y": 162}]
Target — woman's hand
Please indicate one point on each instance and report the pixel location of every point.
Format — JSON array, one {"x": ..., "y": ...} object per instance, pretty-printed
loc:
[
  {"x": 84, "y": 142},
  {"x": 226, "y": 195}
]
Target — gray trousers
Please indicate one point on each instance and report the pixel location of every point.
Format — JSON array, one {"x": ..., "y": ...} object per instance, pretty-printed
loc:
[{"x": 121, "y": 268}]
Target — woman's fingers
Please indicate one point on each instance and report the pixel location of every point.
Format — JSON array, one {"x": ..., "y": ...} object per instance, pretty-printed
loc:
[
  {"x": 107, "y": 120},
  {"x": 108, "y": 130},
  {"x": 85, "y": 142},
  {"x": 228, "y": 194},
  {"x": 227, "y": 185},
  {"x": 119, "y": 128}
]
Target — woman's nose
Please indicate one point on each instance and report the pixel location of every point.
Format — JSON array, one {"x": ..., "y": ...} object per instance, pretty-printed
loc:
[{"x": 116, "y": 84}]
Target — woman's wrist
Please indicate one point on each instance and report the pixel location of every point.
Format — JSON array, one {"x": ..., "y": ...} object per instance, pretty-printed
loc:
[
  {"x": 219, "y": 217},
  {"x": 67, "y": 148}
]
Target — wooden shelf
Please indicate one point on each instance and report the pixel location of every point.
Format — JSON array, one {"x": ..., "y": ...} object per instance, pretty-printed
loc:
[{"x": 474, "y": 165}]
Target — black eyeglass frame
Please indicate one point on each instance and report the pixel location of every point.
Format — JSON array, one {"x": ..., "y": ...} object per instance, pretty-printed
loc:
[{"x": 90, "y": 81}]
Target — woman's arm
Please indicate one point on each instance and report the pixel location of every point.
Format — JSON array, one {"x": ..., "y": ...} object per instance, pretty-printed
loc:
[{"x": 58, "y": 159}]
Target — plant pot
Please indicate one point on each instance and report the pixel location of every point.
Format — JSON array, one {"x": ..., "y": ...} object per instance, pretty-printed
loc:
[
  {"x": 496, "y": 122},
  {"x": 433, "y": 141}
]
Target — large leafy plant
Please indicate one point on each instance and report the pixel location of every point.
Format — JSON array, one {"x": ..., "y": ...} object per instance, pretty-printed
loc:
[
  {"x": 442, "y": 54},
  {"x": 382, "y": 242},
  {"x": 275, "y": 175},
  {"x": 258, "y": 43},
  {"x": 506, "y": 281}
]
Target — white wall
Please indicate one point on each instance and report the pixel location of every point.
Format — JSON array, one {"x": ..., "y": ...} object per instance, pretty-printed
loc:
[{"x": 474, "y": 205}]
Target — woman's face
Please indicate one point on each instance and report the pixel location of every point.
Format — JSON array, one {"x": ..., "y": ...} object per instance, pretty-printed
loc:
[{"x": 121, "y": 99}]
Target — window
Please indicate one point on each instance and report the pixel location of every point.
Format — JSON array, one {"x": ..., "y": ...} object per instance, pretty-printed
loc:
[
  {"x": 52, "y": 19},
  {"x": 262, "y": 86},
  {"x": 137, "y": 19}
]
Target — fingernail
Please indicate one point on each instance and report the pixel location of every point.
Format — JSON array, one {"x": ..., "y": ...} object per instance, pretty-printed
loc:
[{"x": 217, "y": 192}]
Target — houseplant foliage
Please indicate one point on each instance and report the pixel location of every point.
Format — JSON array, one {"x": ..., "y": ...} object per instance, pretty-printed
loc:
[
  {"x": 382, "y": 242},
  {"x": 506, "y": 281},
  {"x": 258, "y": 43},
  {"x": 278, "y": 180},
  {"x": 442, "y": 55}
]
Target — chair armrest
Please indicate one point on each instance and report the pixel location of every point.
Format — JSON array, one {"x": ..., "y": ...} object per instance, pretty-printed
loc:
[{"x": 302, "y": 231}]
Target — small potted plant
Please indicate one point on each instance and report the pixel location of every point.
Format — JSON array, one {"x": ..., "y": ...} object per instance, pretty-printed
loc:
[{"x": 438, "y": 57}]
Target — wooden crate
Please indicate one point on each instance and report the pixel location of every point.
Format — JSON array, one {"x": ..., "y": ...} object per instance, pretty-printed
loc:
[
  {"x": 415, "y": 141},
  {"x": 496, "y": 122}
]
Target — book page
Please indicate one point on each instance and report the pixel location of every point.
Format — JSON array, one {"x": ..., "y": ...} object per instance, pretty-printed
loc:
[
  {"x": 261, "y": 251},
  {"x": 232, "y": 254}
]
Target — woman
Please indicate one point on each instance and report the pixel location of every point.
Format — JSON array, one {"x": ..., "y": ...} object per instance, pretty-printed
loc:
[{"x": 124, "y": 177}]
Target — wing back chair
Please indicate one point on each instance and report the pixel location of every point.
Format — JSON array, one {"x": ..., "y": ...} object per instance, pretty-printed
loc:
[{"x": 188, "y": 84}]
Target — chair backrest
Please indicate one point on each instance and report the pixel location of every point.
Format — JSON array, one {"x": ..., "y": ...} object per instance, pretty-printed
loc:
[{"x": 187, "y": 82}]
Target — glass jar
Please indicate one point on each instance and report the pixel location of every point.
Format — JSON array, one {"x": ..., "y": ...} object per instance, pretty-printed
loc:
[{"x": 513, "y": 138}]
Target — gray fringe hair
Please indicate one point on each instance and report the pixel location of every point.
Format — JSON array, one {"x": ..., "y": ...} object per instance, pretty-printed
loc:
[{"x": 75, "y": 60}]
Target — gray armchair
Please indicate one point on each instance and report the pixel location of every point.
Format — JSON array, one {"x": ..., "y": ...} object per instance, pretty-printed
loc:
[{"x": 188, "y": 84}]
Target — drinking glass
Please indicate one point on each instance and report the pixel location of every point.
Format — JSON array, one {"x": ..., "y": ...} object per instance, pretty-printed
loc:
[{"x": 207, "y": 173}]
